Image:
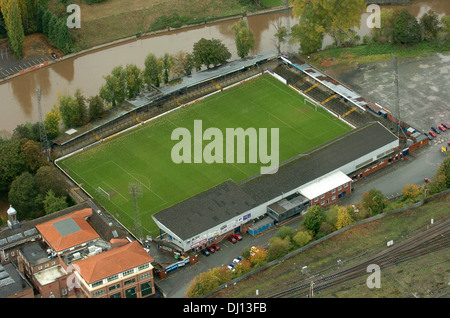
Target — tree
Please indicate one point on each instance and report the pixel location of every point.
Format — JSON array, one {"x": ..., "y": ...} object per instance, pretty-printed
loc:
[
  {"x": 244, "y": 38},
  {"x": 51, "y": 122},
  {"x": 52, "y": 203},
  {"x": 302, "y": 238},
  {"x": 114, "y": 90},
  {"x": 80, "y": 111},
  {"x": 12, "y": 162},
  {"x": 384, "y": 33},
  {"x": 96, "y": 107},
  {"x": 52, "y": 29},
  {"x": 313, "y": 218},
  {"x": 374, "y": 201},
  {"x": 406, "y": 28},
  {"x": 48, "y": 178},
  {"x": 317, "y": 17},
  {"x": 13, "y": 23},
  {"x": 153, "y": 70},
  {"x": 411, "y": 191},
  {"x": 210, "y": 52},
  {"x": 285, "y": 231},
  {"x": 167, "y": 63},
  {"x": 278, "y": 247},
  {"x": 33, "y": 154},
  {"x": 343, "y": 218},
  {"x": 23, "y": 194},
  {"x": 445, "y": 28},
  {"x": 67, "y": 108},
  {"x": 134, "y": 80},
  {"x": 429, "y": 23},
  {"x": 46, "y": 22},
  {"x": 280, "y": 35},
  {"x": 62, "y": 38},
  {"x": 259, "y": 258}
]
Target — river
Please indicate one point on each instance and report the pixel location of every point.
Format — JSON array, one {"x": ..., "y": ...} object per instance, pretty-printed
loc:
[{"x": 18, "y": 98}]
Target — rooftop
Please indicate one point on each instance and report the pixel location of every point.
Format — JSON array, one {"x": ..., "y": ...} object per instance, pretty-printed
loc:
[
  {"x": 112, "y": 262},
  {"x": 324, "y": 184},
  {"x": 68, "y": 231}
]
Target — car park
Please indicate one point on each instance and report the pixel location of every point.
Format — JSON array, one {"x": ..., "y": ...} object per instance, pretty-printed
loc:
[
  {"x": 432, "y": 133},
  {"x": 215, "y": 247},
  {"x": 238, "y": 237},
  {"x": 441, "y": 127},
  {"x": 435, "y": 129},
  {"x": 206, "y": 252}
]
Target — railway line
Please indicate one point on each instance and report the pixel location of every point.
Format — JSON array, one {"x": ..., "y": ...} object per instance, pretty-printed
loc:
[{"x": 430, "y": 240}]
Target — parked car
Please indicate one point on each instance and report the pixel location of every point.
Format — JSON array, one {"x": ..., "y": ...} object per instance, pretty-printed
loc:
[
  {"x": 206, "y": 252},
  {"x": 54, "y": 55},
  {"x": 441, "y": 127},
  {"x": 215, "y": 247},
  {"x": 427, "y": 180},
  {"x": 231, "y": 266},
  {"x": 238, "y": 237},
  {"x": 232, "y": 239},
  {"x": 447, "y": 126},
  {"x": 428, "y": 136},
  {"x": 432, "y": 133},
  {"x": 237, "y": 259},
  {"x": 435, "y": 129},
  {"x": 210, "y": 249}
]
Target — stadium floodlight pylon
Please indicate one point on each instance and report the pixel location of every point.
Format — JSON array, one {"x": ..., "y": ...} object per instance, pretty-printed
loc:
[
  {"x": 42, "y": 133},
  {"x": 135, "y": 190}
]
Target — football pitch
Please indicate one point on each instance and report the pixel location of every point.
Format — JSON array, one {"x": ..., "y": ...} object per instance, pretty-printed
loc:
[{"x": 143, "y": 155}]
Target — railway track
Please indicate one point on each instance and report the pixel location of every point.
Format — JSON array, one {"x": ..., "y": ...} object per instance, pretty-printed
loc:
[{"x": 430, "y": 240}]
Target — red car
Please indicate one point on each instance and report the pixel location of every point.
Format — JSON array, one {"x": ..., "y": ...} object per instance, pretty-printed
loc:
[
  {"x": 446, "y": 125},
  {"x": 441, "y": 127},
  {"x": 232, "y": 239},
  {"x": 215, "y": 247},
  {"x": 238, "y": 237},
  {"x": 432, "y": 133},
  {"x": 427, "y": 180},
  {"x": 210, "y": 249}
]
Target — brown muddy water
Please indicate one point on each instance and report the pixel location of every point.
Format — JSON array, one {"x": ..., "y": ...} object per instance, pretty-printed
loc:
[{"x": 18, "y": 98}]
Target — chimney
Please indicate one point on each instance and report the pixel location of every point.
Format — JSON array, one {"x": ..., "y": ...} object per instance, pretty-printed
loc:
[{"x": 13, "y": 224}]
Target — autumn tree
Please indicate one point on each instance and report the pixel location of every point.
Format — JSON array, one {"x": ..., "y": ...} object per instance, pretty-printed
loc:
[
  {"x": 51, "y": 122},
  {"x": 317, "y": 17},
  {"x": 244, "y": 38},
  {"x": 374, "y": 201},
  {"x": 429, "y": 23},
  {"x": 152, "y": 70},
  {"x": 13, "y": 24},
  {"x": 32, "y": 152},
  {"x": 301, "y": 238},
  {"x": 411, "y": 191},
  {"x": 134, "y": 80},
  {"x": 96, "y": 107},
  {"x": 114, "y": 90},
  {"x": 280, "y": 35},
  {"x": 278, "y": 247},
  {"x": 184, "y": 63},
  {"x": 344, "y": 218}
]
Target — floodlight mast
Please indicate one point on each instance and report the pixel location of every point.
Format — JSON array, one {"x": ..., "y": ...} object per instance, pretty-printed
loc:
[{"x": 42, "y": 133}]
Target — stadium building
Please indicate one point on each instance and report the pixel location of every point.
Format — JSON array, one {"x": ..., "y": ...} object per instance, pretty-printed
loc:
[{"x": 319, "y": 176}]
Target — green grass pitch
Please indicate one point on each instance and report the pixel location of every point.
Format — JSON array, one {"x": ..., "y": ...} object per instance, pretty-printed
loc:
[{"x": 143, "y": 154}]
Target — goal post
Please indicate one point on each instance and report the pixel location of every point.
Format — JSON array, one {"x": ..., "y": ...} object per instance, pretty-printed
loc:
[
  {"x": 103, "y": 193},
  {"x": 307, "y": 100}
]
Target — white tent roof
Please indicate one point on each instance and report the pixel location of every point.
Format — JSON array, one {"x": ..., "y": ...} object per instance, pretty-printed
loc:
[{"x": 323, "y": 184}]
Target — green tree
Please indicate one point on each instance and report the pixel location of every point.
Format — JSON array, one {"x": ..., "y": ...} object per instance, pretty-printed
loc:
[
  {"x": 134, "y": 80},
  {"x": 22, "y": 196},
  {"x": 46, "y": 22},
  {"x": 12, "y": 162},
  {"x": 445, "y": 28},
  {"x": 280, "y": 35},
  {"x": 67, "y": 108},
  {"x": 153, "y": 70},
  {"x": 114, "y": 90},
  {"x": 62, "y": 38},
  {"x": 406, "y": 28},
  {"x": 13, "y": 23},
  {"x": 48, "y": 178},
  {"x": 168, "y": 62},
  {"x": 244, "y": 38},
  {"x": 374, "y": 201},
  {"x": 285, "y": 231},
  {"x": 210, "y": 52},
  {"x": 278, "y": 247},
  {"x": 32, "y": 152},
  {"x": 302, "y": 238},
  {"x": 52, "y": 29},
  {"x": 429, "y": 23},
  {"x": 80, "y": 116},
  {"x": 313, "y": 218},
  {"x": 52, "y": 203},
  {"x": 96, "y": 107},
  {"x": 184, "y": 63}
]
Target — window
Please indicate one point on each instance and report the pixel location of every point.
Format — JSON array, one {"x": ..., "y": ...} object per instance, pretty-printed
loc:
[
  {"x": 116, "y": 286},
  {"x": 117, "y": 295},
  {"x": 131, "y": 293},
  {"x": 130, "y": 281},
  {"x": 322, "y": 203},
  {"x": 98, "y": 283},
  {"x": 333, "y": 191},
  {"x": 143, "y": 267},
  {"x": 128, "y": 272},
  {"x": 111, "y": 278},
  {"x": 316, "y": 199},
  {"x": 322, "y": 196},
  {"x": 333, "y": 197},
  {"x": 345, "y": 185},
  {"x": 144, "y": 276},
  {"x": 98, "y": 293},
  {"x": 339, "y": 188},
  {"x": 146, "y": 289}
]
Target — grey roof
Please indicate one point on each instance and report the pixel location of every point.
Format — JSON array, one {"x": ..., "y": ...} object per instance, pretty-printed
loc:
[
  {"x": 318, "y": 161},
  {"x": 12, "y": 282},
  {"x": 205, "y": 210},
  {"x": 227, "y": 200},
  {"x": 66, "y": 227},
  {"x": 34, "y": 253}
]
